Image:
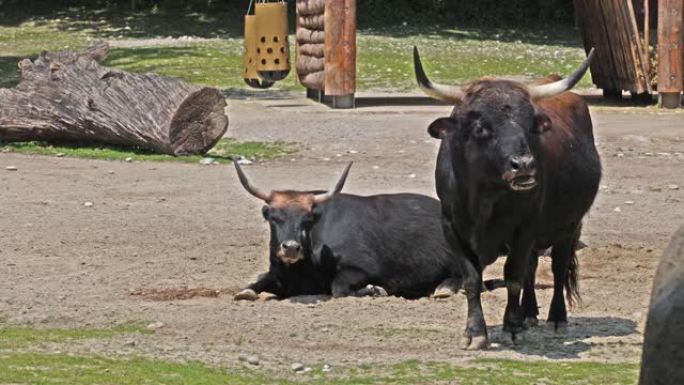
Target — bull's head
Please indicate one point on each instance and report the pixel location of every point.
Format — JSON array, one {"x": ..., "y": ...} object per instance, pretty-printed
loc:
[
  {"x": 291, "y": 215},
  {"x": 494, "y": 128}
]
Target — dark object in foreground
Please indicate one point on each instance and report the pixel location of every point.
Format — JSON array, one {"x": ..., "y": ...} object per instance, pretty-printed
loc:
[
  {"x": 663, "y": 353},
  {"x": 332, "y": 243},
  {"x": 516, "y": 172},
  {"x": 69, "y": 97}
]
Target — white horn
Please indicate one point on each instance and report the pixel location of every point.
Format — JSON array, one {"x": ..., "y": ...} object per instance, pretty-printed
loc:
[
  {"x": 552, "y": 89},
  {"x": 445, "y": 93},
  {"x": 320, "y": 198}
]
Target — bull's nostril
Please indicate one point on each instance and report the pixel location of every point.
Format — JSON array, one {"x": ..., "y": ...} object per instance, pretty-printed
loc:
[{"x": 515, "y": 163}]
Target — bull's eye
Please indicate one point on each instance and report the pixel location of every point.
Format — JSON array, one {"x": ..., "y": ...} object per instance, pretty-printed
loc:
[
  {"x": 308, "y": 221},
  {"x": 481, "y": 132}
]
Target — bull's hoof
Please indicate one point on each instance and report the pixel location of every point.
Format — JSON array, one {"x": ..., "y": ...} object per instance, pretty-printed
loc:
[
  {"x": 560, "y": 327},
  {"x": 266, "y": 296},
  {"x": 246, "y": 295},
  {"x": 475, "y": 343},
  {"x": 378, "y": 291},
  {"x": 514, "y": 338},
  {"x": 531, "y": 322},
  {"x": 443, "y": 292}
]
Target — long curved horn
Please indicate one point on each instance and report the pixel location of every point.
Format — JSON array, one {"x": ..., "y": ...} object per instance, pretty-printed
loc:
[
  {"x": 445, "y": 93},
  {"x": 552, "y": 89},
  {"x": 320, "y": 198},
  {"x": 248, "y": 186}
]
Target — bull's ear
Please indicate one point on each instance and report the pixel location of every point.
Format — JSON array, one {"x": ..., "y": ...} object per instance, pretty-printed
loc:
[
  {"x": 440, "y": 127},
  {"x": 542, "y": 123}
]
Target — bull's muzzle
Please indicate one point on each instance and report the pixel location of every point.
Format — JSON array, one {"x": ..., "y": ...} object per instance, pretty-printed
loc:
[
  {"x": 290, "y": 252},
  {"x": 521, "y": 175}
]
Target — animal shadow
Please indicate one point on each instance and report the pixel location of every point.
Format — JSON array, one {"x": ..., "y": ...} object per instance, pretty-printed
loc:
[{"x": 576, "y": 338}]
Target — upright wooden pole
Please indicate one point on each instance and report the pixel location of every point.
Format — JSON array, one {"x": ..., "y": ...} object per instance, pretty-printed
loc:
[
  {"x": 340, "y": 52},
  {"x": 670, "y": 51},
  {"x": 647, "y": 38}
]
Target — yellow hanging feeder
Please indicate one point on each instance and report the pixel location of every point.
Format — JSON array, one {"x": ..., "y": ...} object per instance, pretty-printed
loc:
[
  {"x": 272, "y": 47},
  {"x": 250, "y": 57},
  {"x": 266, "y": 57}
]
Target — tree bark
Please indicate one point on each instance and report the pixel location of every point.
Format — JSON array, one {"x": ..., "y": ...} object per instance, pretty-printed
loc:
[{"x": 69, "y": 97}]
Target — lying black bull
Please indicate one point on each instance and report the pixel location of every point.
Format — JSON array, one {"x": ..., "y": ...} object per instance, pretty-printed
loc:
[
  {"x": 516, "y": 172},
  {"x": 331, "y": 243}
]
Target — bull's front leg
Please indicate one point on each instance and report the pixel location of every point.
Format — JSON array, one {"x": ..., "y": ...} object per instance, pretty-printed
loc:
[
  {"x": 515, "y": 271},
  {"x": 476, "y": 328},
  {"x": 268, "y": 282}
]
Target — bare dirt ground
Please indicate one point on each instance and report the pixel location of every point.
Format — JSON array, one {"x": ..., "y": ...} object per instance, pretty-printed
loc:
[{"x": 157, "y": 228}]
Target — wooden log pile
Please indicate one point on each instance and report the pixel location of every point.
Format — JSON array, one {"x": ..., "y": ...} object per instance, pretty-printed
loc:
[
  {"x": 310, "y": 37},
  {"x": 69, "y": 97},
  {"x": 622, "y": 62}
]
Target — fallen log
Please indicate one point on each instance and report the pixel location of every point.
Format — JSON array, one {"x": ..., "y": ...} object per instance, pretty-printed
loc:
[{"x": 69, "y": 97}]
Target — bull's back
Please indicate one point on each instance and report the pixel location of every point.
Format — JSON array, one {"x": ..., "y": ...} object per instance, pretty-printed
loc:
[
  {"x": 396, "y": 238},
  {"x": 572, "y": 165}
]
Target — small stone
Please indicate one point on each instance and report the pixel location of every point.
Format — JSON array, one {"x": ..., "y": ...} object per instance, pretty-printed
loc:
[
  {"x": 130, "y": 344},
  {"x": 376, "y": 167},
  {"x": 663, "y": 154},
  {"x": 326, "y": 368},
  {"x": 155, "y": 325},
  {"x": 253, "y": 360},
  {"x": 60, "y": 154},
  {"x": 129, "y": 159},
  {"x": 617, "y": 210},
  {"x": 673, "y": 187},
  {"x": 412, "y": 176},
  {"x": 629, "y": 202},
  {"x": 88, "y": 204},
  {"x": 110, "y": 172},
  {"x": 619, "y": 155},
  {"x": 338, "y": 155},
  {"x": 297, "y": 367},
  {"x": 11, "y": 168},
  {"x": 306, "y": 370},
  {"x": 326, "y": 159},
  {"x": 206, "y": 161},
  {"x": 353, "y": 152},
  {"x": 656, "y": 188},
  {"x": 242, "y": 358},
  {"x": 242, "y": 161}
]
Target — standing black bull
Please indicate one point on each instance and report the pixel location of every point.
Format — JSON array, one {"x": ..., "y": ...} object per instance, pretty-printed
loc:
[
  {"x": 332, "y": 243},
  {"x": 517, "y": 170}
]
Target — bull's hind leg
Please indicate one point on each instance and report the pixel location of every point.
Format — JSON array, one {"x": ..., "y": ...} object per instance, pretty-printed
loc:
[
  {"x": 530, "y": 308},
  {"x": 348, "y": 282},
  {"x": 562, "y": 256}
]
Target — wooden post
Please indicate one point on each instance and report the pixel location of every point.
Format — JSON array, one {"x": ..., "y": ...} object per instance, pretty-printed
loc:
[
  {"x": 670, "y": 51},
  {"x": 647, "y": 37},
  {"x": 340, "y": 52}
]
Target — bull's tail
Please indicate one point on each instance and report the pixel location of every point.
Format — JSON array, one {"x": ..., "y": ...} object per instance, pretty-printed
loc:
[{"x": 572, "y": 279}]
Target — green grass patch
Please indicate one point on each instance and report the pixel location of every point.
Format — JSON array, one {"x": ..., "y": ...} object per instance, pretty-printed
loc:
[
  {"x": 452, "y": 55},
  {"x": 39, "y": 368},
  {"x": 225, "y": 150},
  {"x": 13, "y": 337}
]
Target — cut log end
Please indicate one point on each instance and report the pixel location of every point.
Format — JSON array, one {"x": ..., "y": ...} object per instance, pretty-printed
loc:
[{"x": 199, "y": 122}]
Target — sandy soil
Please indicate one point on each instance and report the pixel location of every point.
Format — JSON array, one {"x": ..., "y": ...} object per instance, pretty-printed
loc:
[{"x": 157, "y": 228}]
